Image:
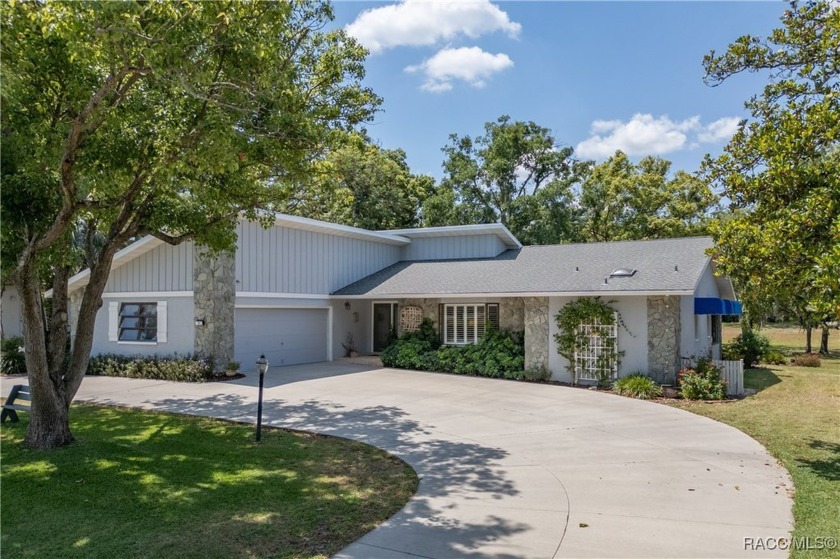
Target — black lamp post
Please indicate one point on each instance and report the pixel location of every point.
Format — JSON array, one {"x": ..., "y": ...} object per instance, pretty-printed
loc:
[{"x": 262, "y": 367}]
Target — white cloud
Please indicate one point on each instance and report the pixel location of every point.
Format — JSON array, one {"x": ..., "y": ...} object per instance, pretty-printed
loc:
[
  {"x": 645, "y": 134},
  {"x": 421, "y": 22},
  {"x": 469, "y": 64},
  {"x": 720, "y": 130}
]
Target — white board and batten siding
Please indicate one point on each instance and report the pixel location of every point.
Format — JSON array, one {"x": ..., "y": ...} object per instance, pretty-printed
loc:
[
  {"x": 296, "y": 261},
  {"x": 165, "y": 268},
  {"x": 449, "y": 248}
]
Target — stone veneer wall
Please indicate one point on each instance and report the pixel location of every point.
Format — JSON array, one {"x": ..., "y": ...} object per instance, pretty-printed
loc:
[
  {"x": 663, "y": 319},
  {"x": 536, "y": 331},
  {"x": 214, "y": 296},
  {"x": 512, "y": 314},
  {"x": 429, "y": 307}
]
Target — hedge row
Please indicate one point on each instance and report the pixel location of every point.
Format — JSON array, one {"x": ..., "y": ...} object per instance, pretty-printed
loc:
[
  {"x": 178, "y": 368},
  {"x": 497, "y": 355}
]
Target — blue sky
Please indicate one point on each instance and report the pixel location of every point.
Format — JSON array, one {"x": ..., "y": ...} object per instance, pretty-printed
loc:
[{"x": 601, "y": 75}]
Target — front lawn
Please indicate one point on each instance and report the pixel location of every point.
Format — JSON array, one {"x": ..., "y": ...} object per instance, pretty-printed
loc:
[
  {"x": 787, "y": 338},
  {"x": 796, "y": 415},
  {"x": 141, "y": 484}
]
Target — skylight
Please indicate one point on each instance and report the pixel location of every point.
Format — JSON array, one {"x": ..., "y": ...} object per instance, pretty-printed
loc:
[{"x": 623, "y": 273}]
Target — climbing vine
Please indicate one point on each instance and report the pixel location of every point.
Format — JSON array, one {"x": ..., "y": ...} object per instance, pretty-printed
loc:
[{"x": 583, "y": 339}]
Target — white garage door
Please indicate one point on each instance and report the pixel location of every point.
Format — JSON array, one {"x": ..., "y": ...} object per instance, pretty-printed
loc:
[{"x": 285, "y": 336}]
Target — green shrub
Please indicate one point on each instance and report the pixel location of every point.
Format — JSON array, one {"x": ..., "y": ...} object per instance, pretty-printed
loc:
[
  {"x": 702, "y": 383},
  {"x": 12, "y": 359},
  {"x": 405, "y": 352},
  {"x": 749, "y": 346},
  {"x": 498, "y": 355},
  {"x": 177, "y": 368},
  {"x": 639, "y": 386},
  {"x": 774, "y": 357},
  {"x": 807, "y": 360}
]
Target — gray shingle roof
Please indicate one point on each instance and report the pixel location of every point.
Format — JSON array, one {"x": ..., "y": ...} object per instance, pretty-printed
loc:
[{"x": 575, "y": 268}]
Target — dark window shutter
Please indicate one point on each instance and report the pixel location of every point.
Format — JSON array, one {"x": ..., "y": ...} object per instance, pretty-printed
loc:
[
  {"x": 493, "y": 314},
  {"x": 440, "y": 322}
]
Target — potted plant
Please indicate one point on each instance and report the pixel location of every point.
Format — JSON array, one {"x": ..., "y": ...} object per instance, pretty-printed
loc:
[{"x": 232, "y": 368}]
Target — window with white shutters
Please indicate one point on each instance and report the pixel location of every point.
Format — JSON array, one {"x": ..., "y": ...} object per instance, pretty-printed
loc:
[{"x": 464, "y": 324}]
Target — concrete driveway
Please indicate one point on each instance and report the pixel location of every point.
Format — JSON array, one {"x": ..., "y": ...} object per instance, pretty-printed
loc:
[{"x": 510, "y": 469}]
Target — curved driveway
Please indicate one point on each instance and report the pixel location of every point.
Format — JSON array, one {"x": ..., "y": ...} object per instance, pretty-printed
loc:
[{"x": 511, "y": 469}]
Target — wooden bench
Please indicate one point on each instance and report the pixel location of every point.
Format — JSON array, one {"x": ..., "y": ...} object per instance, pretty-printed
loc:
[{"x": 19, "y": 400}]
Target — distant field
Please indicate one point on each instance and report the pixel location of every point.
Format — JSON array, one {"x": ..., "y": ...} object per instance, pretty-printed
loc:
[{"x": 787, "y": 338}]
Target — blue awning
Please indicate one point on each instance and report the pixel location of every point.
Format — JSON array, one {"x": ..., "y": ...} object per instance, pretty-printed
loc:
[{"x": 713, "y": 305}]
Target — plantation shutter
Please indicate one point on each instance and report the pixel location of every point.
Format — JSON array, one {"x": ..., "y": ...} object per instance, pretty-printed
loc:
[
  {"x": 481, "y": 321},
  {"x": 161, "y": 321},
  {"x": 113, "y": 321},
  {"x": 493, "y": 314}
]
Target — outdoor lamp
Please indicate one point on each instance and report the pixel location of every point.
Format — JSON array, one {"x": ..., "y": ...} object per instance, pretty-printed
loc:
[{"x": 262, "y": 367}]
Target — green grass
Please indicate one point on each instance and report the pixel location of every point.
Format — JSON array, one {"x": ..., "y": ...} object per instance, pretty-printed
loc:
[
  {"x": 786, "y": 338},
  {"x": 142, "y": 484},
  {"x": 796, "y": 415}
]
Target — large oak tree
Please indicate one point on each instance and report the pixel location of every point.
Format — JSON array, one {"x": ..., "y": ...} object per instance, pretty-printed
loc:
[{"x": 122, "y": 119}]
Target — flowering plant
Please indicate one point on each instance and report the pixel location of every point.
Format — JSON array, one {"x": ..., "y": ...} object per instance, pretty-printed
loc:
[{"x": 702, "y": 383}]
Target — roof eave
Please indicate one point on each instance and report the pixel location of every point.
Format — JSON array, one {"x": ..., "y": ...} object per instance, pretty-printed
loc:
[{"x": 612, "y": 293}]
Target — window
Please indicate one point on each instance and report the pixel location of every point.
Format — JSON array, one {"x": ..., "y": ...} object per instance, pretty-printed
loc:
[
  {"x": 716, "y": 327},
  {"x": 138, "y": 322},
  {"x": 466, "y": 324}
]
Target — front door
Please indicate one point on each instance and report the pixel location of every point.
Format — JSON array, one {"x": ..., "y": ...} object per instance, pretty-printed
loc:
[{"x": 384, "y": 320}]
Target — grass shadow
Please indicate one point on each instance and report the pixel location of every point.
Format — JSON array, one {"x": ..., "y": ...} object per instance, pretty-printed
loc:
[
  {"x": 760, "y": 378},
  {"x": 827, "y": 468}
]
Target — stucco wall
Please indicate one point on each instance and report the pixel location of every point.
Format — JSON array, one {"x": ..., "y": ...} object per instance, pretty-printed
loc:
[
  {"x": 632, "y": 340},
  {"x": 355, "y": 321},
  {"x": 179, "y": 329}
]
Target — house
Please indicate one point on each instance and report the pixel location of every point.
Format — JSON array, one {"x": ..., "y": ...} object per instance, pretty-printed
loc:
[
  {"x": 300, "y": 290},
  {"x": 11, "y": 318}
]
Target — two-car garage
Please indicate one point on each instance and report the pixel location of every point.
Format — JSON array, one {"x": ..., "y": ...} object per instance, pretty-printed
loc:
[{"x": 286, "y": 336}]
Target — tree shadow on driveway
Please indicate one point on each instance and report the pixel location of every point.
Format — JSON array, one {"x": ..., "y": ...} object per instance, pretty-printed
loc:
[{"x": 451, "y": 472}]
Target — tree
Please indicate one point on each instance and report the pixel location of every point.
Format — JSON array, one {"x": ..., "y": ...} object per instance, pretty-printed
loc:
[
  {"x": 620, "y": 200},
  {"x": 362, "y": 185},
  {"x": 170, "y": 119},
  {"x": 781, "y": 170},
  {"x": 490, "y": 178}
]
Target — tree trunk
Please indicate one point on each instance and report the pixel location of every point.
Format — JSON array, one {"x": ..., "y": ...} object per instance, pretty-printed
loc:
[
  {"x": 824, "y": 341},
  {"x": 808, "y": 339},
  {"x": 49, "y": 425},
  {"x": 53, "y": 381}
]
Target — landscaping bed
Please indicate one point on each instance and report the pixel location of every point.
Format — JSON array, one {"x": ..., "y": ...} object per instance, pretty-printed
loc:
[{"x": 142, "y": 484}]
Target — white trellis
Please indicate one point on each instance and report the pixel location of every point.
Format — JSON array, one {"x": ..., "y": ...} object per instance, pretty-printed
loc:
[
  {"x": 410, "y": 318},
  {"x": 597, "y": 356}
]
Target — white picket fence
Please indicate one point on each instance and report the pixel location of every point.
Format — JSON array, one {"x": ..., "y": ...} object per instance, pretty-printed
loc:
[{"x": 731, "y": 371}]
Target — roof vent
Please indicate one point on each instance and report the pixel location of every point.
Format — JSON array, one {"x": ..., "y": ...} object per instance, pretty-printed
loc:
[{"x": 623, "y": 273}]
